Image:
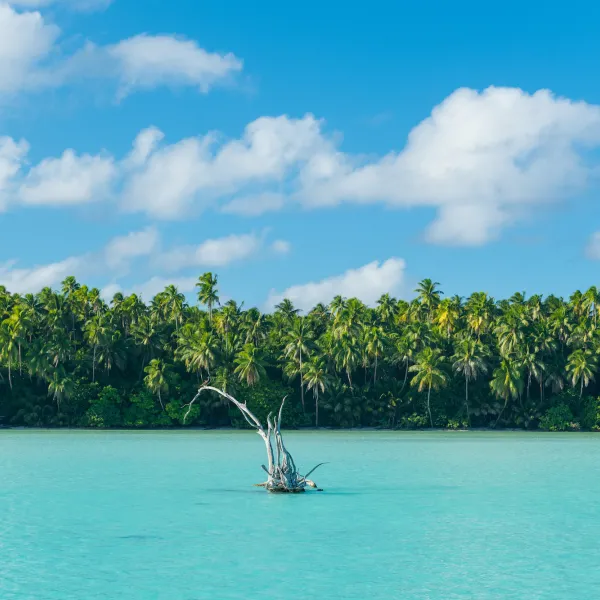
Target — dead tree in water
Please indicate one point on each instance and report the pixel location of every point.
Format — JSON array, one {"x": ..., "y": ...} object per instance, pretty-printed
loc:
[{"x": 282, "y": 474}]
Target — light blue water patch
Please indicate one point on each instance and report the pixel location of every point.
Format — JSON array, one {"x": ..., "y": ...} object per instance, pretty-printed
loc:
[{"x": 174, "y": 516}]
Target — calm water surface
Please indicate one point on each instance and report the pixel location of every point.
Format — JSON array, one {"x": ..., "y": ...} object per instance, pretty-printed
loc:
[{"x": 172, "y": 516}]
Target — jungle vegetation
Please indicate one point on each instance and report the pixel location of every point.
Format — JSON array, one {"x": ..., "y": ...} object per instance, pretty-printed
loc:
[{"x": 68, "y": 358}]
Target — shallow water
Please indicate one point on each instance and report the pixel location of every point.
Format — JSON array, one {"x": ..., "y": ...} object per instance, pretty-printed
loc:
[{"x": 173, "y": 515}]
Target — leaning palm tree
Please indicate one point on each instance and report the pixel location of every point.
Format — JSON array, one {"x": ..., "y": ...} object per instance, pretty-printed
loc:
[
  {"x": 469, "y": 361},
  {"x": 429, "y": 373},
  {"x": 582, "y": 366},
  {"x": 156, "y": 379}
]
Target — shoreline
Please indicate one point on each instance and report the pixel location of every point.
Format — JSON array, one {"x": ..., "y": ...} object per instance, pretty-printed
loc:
[{"x": 296, "y": 429}]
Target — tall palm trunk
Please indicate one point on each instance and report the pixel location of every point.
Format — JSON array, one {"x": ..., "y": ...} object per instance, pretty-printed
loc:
[
  {"x": 160, "y": 400},
  {"x": 9, "y": 374},
  {"x": 375, "y": 373},
  {"x": 94, "y": 364},
  {"x": 467, "y": 400},
  {"x": 301, "y": 383},
  {"x": 405, "y": 377},
  {"x": 581, "y": 390},
  {"x": 317, "y": 409},
  {"x": 428, "y": 405}
]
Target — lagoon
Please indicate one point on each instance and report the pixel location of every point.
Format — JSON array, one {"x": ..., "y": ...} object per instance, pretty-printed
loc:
[{"x": 173, "y": 515}]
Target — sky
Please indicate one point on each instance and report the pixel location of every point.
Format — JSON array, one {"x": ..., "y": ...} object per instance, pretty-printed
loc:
[{"x": 299, "y": 151}]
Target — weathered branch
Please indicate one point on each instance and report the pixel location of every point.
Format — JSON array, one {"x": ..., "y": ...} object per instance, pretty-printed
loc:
[{"x": 282, "y": 473}]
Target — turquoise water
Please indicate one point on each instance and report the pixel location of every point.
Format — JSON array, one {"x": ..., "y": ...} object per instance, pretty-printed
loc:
[{"x": 174, "y": 516}]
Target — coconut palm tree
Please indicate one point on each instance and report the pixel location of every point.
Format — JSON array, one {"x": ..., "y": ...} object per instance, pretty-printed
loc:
[
  {"x": 469, "y": 360},
  {"x": 250, "y": 364},
  {"x": 207, "y": 292},
  {"x": 429, "y": 374},
  {"x": 507, "y": 382},
  {"x": 299, "y": 343},
  {"x": 318, "y": 380},
  {"x": 156, "y": 379},
  {"x": 582, "y": 366}
]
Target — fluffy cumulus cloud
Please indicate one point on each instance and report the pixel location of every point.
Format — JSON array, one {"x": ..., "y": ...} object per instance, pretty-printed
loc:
[
  {"x": 116, "y": 255},
  {"x": 33, "y": 279},
  {"x": 68, "y": 180},
  {"x": 11, "y": 157},
  {"x": 195, "y": 171},
  {"x": 30, "y": 57},
  {"x": 483, "y": 160},
  {"x": 121, "y": 250},
  {"x": 367, "y": 283},
  {"x": 146, "y": 61},
  {"x": 218, "y": 252},
  {"x": 25, "y": 42}
]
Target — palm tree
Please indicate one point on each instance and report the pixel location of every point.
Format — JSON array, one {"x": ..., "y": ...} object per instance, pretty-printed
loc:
[
  {"x": 299, "y": 343},
  {"x": 250, "y": 364},
  {"x": 95, "y": 330},
  {"x": 156, "y": 378},
  {"x": 582, "y": 366},
  {"x": 375, "y": 343},
  {"x": 469, "y": 361},
  {"x": 60, "y": 386},
  {"x": 207, "y": 292},
  {"x": 507, "y": 382},
  {"x": 318, "y": 380},
  {"x": 428, "y": 295},
  {"x": 429, "y": 373}
]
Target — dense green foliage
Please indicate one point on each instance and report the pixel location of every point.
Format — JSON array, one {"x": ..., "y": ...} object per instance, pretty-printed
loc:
[{"x": 69, "y": 359}]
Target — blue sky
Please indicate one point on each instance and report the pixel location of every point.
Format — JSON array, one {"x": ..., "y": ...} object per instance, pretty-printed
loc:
[{"x": 299, "y": 150}]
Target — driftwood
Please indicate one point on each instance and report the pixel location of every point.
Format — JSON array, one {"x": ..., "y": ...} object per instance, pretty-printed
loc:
[{"x": 282, "y": 473}]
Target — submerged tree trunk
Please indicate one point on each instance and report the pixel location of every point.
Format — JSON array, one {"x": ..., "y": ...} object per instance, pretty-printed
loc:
[{"x": 282, "y": 473}]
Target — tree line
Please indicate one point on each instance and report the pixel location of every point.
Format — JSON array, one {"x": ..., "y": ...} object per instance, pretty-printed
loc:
[{"x": 68, "y": 358}]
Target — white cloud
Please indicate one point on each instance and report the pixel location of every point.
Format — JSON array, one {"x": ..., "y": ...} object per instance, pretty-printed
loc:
[
  {"x": 281, "y": 246},
  {"x": 255, "y": 204},
  {"x": 483, "y": 159},
  {"x": 144, "y": 144},
  {"x": 177, "y": 175},
  {"x": 33, "y": 279},
  {"x": 12, "y": 154},
  {"x": 367, "y": 283},
  {"x": 146, "y": 61},
  {"x": 31, "y": 58},
  {"x": 592, "y": 250},
  {"x": 117, "y": 254},
  {"x": 77, "y": 5},
  {"x": 68, "y": 180},
  {"x": 121, "y": 250},
  {"x": 217, "y": 252},
  {"x": 25, "y": 41}
]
